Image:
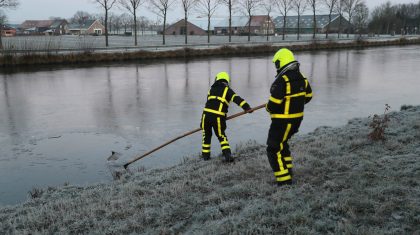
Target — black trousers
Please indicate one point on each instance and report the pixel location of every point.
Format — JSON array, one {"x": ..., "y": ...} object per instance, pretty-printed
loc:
[
  {"x": 217, "y": 123},
  {"x": 278, "y": 152}
]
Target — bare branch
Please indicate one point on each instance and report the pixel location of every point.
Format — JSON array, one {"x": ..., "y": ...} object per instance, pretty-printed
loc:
[
  {"x": 330, "y": 4},
  {"x": 249, "y": 6},
  {"x": 107, "y": 5},
  {"x": 160, "y": 8},
  {"x": 230, "y": 5},
  {"x": 349, "y": 6},
  {"x": 300, "y": 7},
  {"x": 313, "y": 4},
  {"x": 207, "y": 8},
  {"x": 9, "y": 3},
  {"x": 187, "y": 5},
  {"x": 284, "y": 6},
  {"x": 132, "y": 6}
]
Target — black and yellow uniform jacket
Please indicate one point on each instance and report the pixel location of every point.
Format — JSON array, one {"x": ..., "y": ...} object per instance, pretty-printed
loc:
[
  {"x": 219, "y": 97},
  {"x": 289, "y": 93}
]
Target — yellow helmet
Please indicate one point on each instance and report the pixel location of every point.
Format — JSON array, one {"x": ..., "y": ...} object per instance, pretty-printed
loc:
[
  {"x": 224, "y": 76},
  {"x": 283, "y": 57}
]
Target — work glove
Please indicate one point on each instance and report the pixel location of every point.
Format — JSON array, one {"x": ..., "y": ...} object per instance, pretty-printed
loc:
[{"x": 247, "y": 108}]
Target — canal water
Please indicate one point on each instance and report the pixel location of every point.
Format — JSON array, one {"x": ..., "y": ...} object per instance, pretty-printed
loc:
[{"x": 58, "y": 126}]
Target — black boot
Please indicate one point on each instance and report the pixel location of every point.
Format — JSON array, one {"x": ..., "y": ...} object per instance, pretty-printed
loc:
[
  {"x": 228, "y": 155},
  {"x": 291, "y": 172},
  {"x": 272, "y": 159},
  {"x": 206, "y": 156},
  {"x": 287, "y": 182}
]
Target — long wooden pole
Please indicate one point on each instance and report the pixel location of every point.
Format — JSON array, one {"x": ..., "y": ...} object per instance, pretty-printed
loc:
[{"x": 186, "y": 134}]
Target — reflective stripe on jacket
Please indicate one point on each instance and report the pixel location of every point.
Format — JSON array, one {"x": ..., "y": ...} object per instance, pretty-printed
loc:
[
  {"x": 289, "y": 94},
  {"x": 219, "y": 97}
]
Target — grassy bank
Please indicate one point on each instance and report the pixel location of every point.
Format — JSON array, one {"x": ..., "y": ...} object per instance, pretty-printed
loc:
[
  {"x": 345, "y": 183},
  {"x": 13, "y": 60}
]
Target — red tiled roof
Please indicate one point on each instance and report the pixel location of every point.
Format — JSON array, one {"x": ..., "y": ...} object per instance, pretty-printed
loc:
[{"x": 36, "y": 23}]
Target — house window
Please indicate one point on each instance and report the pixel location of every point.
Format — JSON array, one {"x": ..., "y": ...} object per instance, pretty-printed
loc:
[{"x": 98, "y": 31}]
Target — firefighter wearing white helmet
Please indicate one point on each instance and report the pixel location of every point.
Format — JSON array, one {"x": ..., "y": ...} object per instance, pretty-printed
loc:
[
  {"x": 214, "y": 115},
  {"x": 289, "y": 93}
]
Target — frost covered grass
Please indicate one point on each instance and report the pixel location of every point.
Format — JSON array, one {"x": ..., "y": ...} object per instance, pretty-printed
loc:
[{"x": 345, "y": 183}]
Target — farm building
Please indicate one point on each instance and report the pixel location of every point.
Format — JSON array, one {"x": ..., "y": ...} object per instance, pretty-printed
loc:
[
  {"x": 50, "y": 27},
  {"x": 260, "y": 24},
  {"x": 306, "y": 24},
  {"x": 178, "y": 28}
]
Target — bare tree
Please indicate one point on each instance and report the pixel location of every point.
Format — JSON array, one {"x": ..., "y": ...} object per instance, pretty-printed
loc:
[
  {"x": 160, "y": 8},
  {"x": 384, "y": 18},
  {"x": 300, "y": 7},
  {"x": 230, "y": 4},
  {"x": 6, "y": 4},
  {"x": 112, "y": 17},
  {"x": 284, "y": 6},
  {"x": 339, "y": 9},
  {"x": 117, "y": 23},
  {"x": 349, "y": 6},
  {"x": 155, "y": 24},
  {"x": 144, "y": 24},
  {"x": 313, "y": 5},
  {"x": 361, "y": 14},
  {"x": 126, "y": 21},
  {"x": 249, "y": 6},
  {"x": 9, "y": 3},
  {"x": 107, "y": 5},
  {"x": 330, "y": 4},
  {"x": 80, "y": 17},
  {"x": 132, "y": 6},
  {"x": 207, "y": 8},
  {"x": 268, "y": 7},
  {"x": 187, "y": 5}
]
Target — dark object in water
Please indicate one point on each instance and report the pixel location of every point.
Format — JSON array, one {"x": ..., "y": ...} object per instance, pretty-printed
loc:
[{"x": 116, "y": 169}]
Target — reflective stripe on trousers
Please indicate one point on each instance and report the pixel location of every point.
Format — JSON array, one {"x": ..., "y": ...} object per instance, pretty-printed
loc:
[
  {"x": 218, "y": 124},
  {"x": 283, "y": 173}
]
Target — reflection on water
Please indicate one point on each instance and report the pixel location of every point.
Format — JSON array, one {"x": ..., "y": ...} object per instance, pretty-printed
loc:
[{"x": 59, "y": 126}]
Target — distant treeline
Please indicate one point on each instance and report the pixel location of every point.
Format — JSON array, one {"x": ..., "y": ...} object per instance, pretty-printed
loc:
[{"x": 395, "y": 19}]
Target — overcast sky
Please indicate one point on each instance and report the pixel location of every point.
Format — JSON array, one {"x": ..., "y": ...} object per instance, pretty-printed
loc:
[{"x": 43, "y": 9}]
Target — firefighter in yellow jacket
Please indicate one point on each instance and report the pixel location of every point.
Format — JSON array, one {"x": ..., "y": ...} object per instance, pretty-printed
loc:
[
  {"x": 289, "y": 93},
  {"x": 214, "y": 115}
]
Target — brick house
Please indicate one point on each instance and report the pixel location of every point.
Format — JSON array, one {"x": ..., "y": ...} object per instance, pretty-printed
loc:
[
  {"x": 7, "y": 31},
  {"x": 87, "y": 27}
]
